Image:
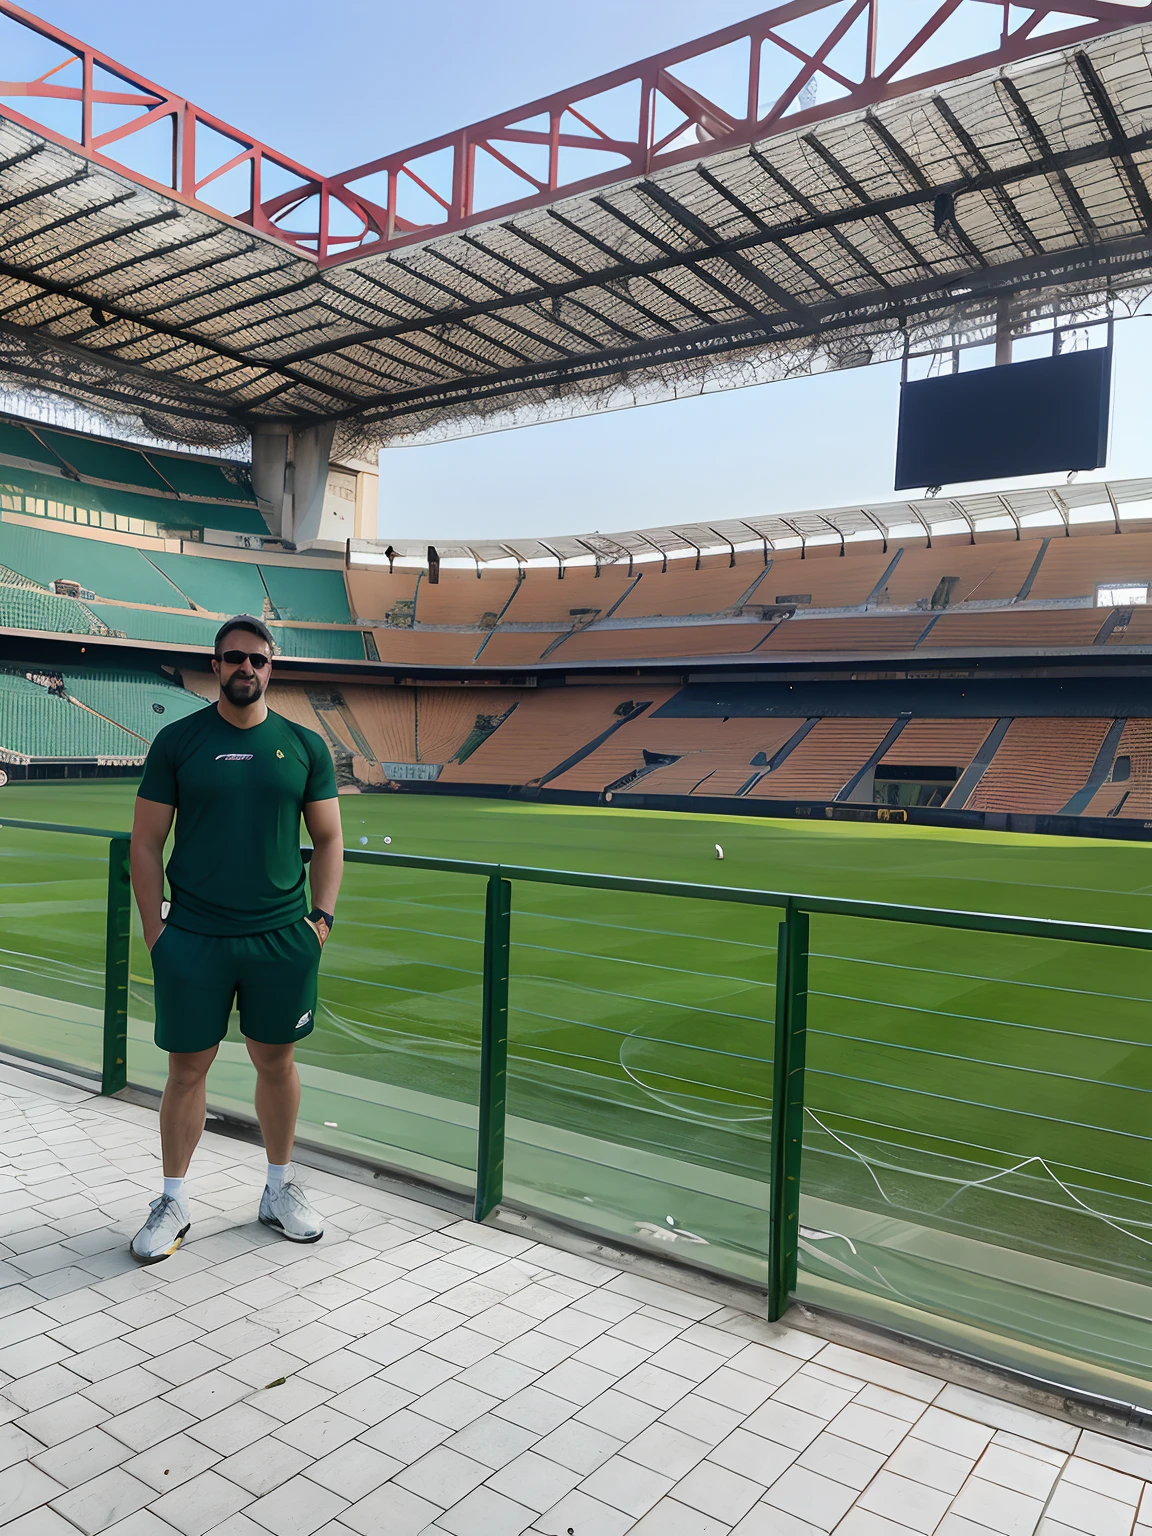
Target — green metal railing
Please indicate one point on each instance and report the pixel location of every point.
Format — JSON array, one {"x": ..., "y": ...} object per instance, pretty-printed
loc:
[{"x": 790, "y": 1022}]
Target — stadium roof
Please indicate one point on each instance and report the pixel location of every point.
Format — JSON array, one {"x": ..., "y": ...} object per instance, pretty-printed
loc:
[
  {"x": 1058, "y": 507},
  {"x": 817, "y": 187}
]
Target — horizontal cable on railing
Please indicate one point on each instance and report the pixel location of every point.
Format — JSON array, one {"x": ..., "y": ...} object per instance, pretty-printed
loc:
[
  {"x": 1000, "y": 981},
  {"x": 970, "y": 1018},
  {"x": 995, "y": 1109},
  {"x": 628, "y": 1034}
]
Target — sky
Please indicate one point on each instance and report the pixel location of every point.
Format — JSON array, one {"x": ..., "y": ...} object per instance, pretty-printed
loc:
[{"x": 336, "y": 85}]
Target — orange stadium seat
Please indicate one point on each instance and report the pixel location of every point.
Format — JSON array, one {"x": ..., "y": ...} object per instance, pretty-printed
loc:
[
  {"x": 721, "y": 748},
  {"x": 820, "y": 766},
  {"x": 880, "y": 635},
  {"x": 1043, "y": 628},
  {"x": 548, "y": 728},
  {"x": 1039, "y": 765}
]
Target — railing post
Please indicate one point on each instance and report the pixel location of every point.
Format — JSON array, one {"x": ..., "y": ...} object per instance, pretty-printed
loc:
[
  {"x": 787, "y": 1108},
  {"x": 117, "y": 936},
  {"x": 494, "y": 1047}
]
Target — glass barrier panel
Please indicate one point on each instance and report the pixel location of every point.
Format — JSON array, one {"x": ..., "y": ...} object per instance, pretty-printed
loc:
[
  {"x": 390, "y": 1070},
  {"x": 640, "y": 1069},
  {"x": 52, "y": 923},
  {"x": 976, "y": 1151}
]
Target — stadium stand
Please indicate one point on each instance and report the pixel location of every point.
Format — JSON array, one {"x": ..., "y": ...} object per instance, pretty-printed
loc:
[
  {"x": 1040, "y": 765},
  {"x": 155, "y": 624},
  {"x": 882, "y": 634},
  {"x": 821, "y": 765},
  {"x": 1128, "y": 791},
  {"x": 337, "y": 644},
  {"x": 27, "y": 608},
  {"x": 111, "y": 570},
  {"x": 459, "y": 599},
  {"x": 38, "y": 492},
  {"x": 532, "y": 743},
  {"x": 298, "y": 593},
  {"x": 706, "y": 753},
  {"x": 217, "y": 586},
  {"x": 141, "y": 701},
  {"x": 1046, "y": 628},
  {"x": 384, "y": 597},
  {"x": 38, "y": 723}
]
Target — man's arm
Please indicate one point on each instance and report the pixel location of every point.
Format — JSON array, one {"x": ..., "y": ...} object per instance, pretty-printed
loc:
[
  {"x": 150, "y": 828},
  {"x": 322, "y": 818}
]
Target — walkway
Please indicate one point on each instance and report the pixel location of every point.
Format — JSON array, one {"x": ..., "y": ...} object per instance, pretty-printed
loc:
[{"x": 415, "y": 1373}]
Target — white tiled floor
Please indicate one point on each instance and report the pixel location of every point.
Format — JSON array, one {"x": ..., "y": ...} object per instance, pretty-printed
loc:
[{"x": 413, "y": 1373}]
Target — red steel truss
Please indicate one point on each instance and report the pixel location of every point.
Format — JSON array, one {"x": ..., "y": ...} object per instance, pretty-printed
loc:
[{"x": 785, "y": 69}]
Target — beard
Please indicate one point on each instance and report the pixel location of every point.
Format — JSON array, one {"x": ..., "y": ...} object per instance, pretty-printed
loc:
[{"x": 240, "y": 690}]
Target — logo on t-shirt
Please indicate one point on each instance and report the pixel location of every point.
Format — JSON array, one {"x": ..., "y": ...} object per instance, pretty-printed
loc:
[
  {"x": 279, "y": 753},
  {"x": 233, "y": 757}
]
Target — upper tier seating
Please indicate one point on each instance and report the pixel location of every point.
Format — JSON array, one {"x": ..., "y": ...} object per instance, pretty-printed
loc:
[
  {"x": 938, "y": 743},
  {"x": 1015, "y": 627},
  {"x": 40, "y": 724},
  {"x": 342, "y": 644},
  {"x": 47, "y": 493},
  {"x": 900, "y": 632},
  {"x": 139, "y": 701},
  {"x": 458, "y": 598},
  {"x": 298, "y": 593},
  {"x": 1073, "y": 567},
  {"x": 1039, "y": 765},
  {"x": 111, "y": 570},
  {"x": 150, "y": 624},
  {"x": 218, "y": 586}
]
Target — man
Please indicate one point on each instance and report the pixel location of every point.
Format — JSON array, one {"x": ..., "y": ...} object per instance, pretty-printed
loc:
[{"x": 237, "y": 778}]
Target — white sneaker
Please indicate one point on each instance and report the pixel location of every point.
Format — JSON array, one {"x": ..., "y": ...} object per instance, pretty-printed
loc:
[
  {"x": 290, "y": 1213},
  {"x": 163, "y": 1232}
]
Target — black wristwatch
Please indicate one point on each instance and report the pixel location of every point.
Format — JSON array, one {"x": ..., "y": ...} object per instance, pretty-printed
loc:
[{"x": 318, "y": 916}]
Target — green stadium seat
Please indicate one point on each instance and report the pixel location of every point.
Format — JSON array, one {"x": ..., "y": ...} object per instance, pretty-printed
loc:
[
  {"x": 103, "y": 461},
  {"x": 40, "y": 724},
  {"x": 220, "y": 586},
  {"x": 193, "y": 478},
  {"x": 140, "y": 701},
  {"x": 18, "y": 443},
  {"x": 109, "y": 570},
  {"x": 338, "y": 644},
  {"x": 302, "y": 594},
  {"x": 21, "y": 608},
  {"x": 30, "y": 491},
  {"x": 147, "y": 624}
]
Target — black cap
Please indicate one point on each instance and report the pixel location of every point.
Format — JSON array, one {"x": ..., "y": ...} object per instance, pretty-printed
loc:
[{"x": 246, "y": 621}]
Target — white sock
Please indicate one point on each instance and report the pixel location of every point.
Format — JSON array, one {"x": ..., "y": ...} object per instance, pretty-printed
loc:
[
  {"x": 175, "y": 1188},
  {"x": 277, "y": 1173}
]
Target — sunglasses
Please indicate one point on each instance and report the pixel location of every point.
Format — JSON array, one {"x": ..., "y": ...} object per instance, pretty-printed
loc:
[{"x": 234, "y": 658}]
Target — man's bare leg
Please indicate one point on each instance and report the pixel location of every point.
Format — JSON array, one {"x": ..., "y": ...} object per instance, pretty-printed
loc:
[
  {"x": 283, "y": 1205},
  {"x": 183, "y": 1108},
  {"x": 277, "y": 1097}
]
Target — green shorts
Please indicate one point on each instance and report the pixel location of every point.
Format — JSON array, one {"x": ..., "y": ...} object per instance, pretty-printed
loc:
[{"x": 270, "y": 976}]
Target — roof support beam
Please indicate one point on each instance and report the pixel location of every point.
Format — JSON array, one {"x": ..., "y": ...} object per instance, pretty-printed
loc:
[
  {"x": 1105, "y": 107},
  {"x": 1051, "y": 162}
]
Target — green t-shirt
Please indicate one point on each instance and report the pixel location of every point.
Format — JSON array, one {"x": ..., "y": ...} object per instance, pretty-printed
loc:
[{"x": 236, "y": 865}]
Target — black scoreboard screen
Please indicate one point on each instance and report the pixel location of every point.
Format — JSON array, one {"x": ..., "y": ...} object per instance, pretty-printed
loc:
[{"x": 1031, "y": 418}]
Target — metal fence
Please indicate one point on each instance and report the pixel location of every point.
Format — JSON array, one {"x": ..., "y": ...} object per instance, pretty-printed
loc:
[{"x": 787, "y": 1028}]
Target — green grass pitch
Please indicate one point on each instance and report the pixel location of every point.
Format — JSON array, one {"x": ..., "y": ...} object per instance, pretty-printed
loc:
[{"x": 938, "y": 1061}]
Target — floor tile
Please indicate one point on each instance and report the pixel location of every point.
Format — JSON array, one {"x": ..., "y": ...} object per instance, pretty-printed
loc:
[
  {"x": 1114, "y": 1485},
  {"x": 589, "y": 1516},
  {"x": 671, "y": 1518},
  {"x": 899, "y": 1499},
  {"x": 534, "y": 1409},
  {"x": 626, "y": 1486},
  {"x": 952, "y": 1433},
  {"x": 297, "y": 1508},
  {"x": 931, "y": 1465},
  {"x": 454, "y": 1404},
  {"x": 760, "y": 1460},
  {"x": 22, "y": 1488},
  {"x": 172, "y": 1462},
  {"x": 405, "y": 1436},
  {"x": 66, "y": 1417},
  {"x": 1088, "y": 1511},
  {"x": 82, "y": 1458},
  {"x": 665, "y": 1449},
  {"x": 263, "y": 1465},
  {"x": 535, "y": 1480},
  {"x": 390, "y": 1509},
  {"x": 354, "y": 1470},
  {"x": 716, "y": 1491},
  {"x": 1024, "y": 1474},
  {"x": 201, "y": 1505},
  {"x": 106, "y": 1499},
  {"x": 320, "y": 1431},
  {"x": 999, "y": 1509},
  {"x": 442, "y": 1476},
  {"x": 820, "y": 1500}
]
